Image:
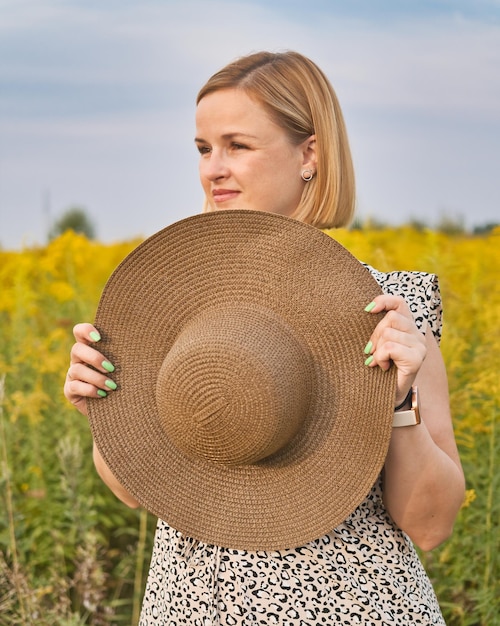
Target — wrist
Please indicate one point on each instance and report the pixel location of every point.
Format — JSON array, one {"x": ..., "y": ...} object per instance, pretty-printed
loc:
[
  {"x": 406, "y": 404},
  {"x": 410, "y": 416}
]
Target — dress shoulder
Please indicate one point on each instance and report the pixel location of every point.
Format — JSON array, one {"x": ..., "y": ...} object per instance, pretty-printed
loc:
[{"x": 421, "y": 292}]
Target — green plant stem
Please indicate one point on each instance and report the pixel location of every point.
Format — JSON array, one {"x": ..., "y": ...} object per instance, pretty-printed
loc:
[
  {"x": 141, "y": 547},
  {"x": 10, "y": 511},
  {"x": 489, "y": 504}
]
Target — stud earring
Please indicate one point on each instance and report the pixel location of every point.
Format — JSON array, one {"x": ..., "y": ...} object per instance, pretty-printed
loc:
[{"x": 307, "y": 175}]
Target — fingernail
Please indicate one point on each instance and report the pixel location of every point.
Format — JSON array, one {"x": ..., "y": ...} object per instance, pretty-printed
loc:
[
  {"x": 101, "y": 393},
  {"x": 95, "y": 336},
  {"x": 111, "y": 384},
  {"x": 109, "y": 367},
  {"x": 368, "y": 347},
  {"x": 369, "y": 359},
  {"x": 370, "y": 307}
]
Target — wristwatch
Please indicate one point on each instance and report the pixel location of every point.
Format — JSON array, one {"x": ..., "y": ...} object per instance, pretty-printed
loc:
[{"x": 411, "y": 417}]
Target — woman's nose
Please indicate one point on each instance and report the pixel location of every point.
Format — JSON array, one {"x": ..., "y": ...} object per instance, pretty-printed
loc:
[{"x": 215, "y": 166}]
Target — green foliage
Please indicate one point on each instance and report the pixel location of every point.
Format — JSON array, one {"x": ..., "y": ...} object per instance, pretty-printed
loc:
[
  {"x": 484, "y": 229},
  {"x": 71, "y": 554},
  {"x": 451, "y": 224},
  {"x": 67, "y": 546},
  {"x": 69, "y": 550},
  {"x": 75, "y": 219}
]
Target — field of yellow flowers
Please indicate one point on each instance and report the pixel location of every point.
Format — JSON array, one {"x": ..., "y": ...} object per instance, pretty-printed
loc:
[{"x": 71, "y": 554}]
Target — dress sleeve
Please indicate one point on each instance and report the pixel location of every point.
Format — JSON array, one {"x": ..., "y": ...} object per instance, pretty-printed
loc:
[{"x": 421, "y": 292}]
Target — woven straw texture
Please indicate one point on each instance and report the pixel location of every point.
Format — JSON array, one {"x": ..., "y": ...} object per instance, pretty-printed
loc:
[{"x": 244, "y": 415}]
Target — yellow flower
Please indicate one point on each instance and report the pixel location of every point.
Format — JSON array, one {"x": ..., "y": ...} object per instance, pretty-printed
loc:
[{"x": 470, "y": 496}]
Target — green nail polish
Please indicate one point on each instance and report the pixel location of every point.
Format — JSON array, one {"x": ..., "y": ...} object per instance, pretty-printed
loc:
[
  {"x": 95, "y": 336},
  {"x": 111, "y": 384},
  {"x": 369, "y": 359},
  {"x": 109, "y": 367},
  {"x": 368, "y": 347},
  {"x": 101, "y": 393},
  {"x": 370, "y": 307}
]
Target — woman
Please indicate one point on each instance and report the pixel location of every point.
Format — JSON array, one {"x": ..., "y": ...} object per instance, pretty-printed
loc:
[{"x": 271, "y": 136}]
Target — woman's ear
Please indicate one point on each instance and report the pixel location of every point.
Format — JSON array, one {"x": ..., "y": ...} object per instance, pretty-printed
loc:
[{"x": 309, "y": 154}]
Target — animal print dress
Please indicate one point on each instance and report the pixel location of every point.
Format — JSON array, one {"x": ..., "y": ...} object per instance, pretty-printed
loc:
[{"x": 365, "y": 571}]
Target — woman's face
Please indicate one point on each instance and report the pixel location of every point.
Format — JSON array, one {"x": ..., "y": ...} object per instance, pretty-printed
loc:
[{"x": 246, "y": 160}]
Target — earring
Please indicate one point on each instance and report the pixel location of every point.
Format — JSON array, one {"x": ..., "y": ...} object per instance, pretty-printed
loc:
[{"x": 307, "y": 175}]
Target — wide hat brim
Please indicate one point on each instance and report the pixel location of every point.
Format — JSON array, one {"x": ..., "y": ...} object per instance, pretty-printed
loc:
[{"x": 305, "y": 278}]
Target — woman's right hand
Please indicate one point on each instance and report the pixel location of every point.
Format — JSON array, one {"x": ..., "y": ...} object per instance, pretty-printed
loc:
[{"x": 89, "y": 372}]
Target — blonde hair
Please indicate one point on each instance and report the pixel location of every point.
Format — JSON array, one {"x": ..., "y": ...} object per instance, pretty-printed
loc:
[{"x": 300, "y": 99}]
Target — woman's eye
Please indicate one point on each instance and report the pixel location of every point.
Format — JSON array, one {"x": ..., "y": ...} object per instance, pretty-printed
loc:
[
  {"x": 203, "y": 149},
  {"x": 238, "y": 146}
]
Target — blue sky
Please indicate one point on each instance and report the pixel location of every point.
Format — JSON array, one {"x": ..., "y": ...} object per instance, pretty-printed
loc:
[{"x": 97, "y": 104}]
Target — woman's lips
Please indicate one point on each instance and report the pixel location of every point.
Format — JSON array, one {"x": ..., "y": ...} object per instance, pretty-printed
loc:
[{"x": 223, "y": 195}]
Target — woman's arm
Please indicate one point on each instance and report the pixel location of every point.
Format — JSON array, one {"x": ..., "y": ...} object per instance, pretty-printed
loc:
[
  {"x": 423, "y": 478},
  {"x": 109, "y": 479},
  {"x": 89, "y": 376}
]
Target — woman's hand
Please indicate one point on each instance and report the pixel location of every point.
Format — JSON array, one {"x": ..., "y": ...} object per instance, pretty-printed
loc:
[
  {"x": 423, "y": 478},
  {"x": 89, "y": 372},
  {"x": 396, "y": 339},
  {"x": 89, "y": 377}
]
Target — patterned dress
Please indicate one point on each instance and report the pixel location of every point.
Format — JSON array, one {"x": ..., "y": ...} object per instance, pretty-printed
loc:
[{"x": 365, "y": 571}]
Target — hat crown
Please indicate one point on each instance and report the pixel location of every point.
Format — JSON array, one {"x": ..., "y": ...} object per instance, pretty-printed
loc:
[{"x": 235, "y": 387}]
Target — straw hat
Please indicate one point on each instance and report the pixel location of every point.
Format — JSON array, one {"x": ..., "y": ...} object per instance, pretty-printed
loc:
[{"x": 244, "y": 415}]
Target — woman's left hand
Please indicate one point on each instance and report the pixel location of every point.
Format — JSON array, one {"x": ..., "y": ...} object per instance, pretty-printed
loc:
[
  {"x": 423, "y": 482},
  {"x": 396, "y": 339}
]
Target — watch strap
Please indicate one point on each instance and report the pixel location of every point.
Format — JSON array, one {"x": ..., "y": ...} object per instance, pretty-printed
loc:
[{"x": 410, "y": 417}]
